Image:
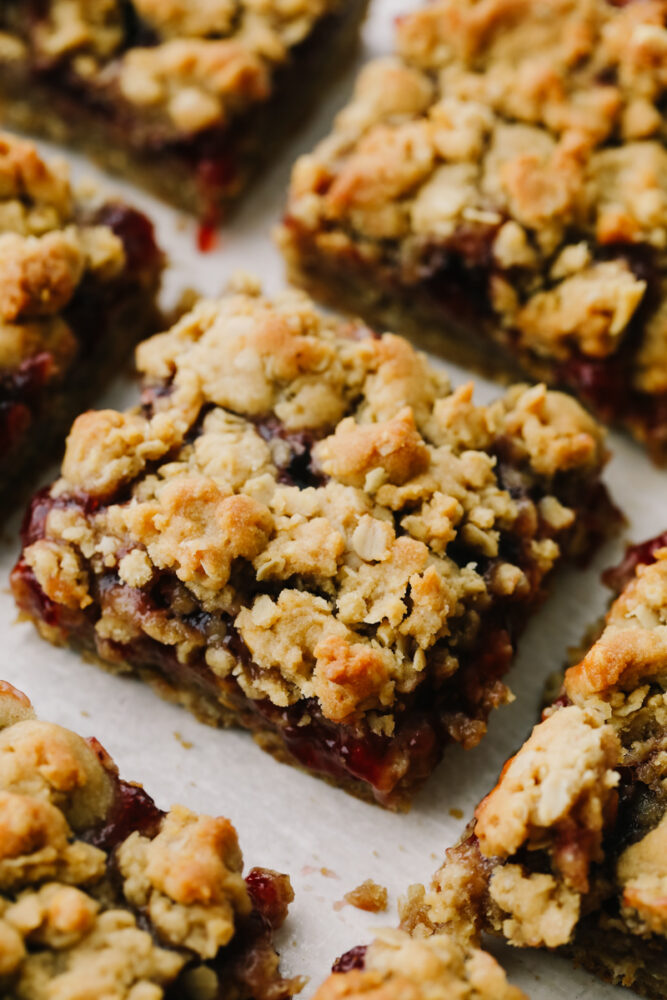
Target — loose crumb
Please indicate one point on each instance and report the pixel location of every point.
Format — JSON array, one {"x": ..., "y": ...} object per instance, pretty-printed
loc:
[
  {"x": 186, "y": 744},
  {"x": 368, "y": 896},
  {"x": 456, "y": 813}
]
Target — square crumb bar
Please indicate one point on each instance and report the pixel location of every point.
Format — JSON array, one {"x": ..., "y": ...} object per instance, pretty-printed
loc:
[
  {"x": 304, "y": 530},
  {"x": 102, "y": 894},
  {"x": 500, "y": 187},
  {"x": 396, "y": 966},
  {"x": 186, "y": 97},
  {"x": 78, "y": 279},
  {"x": 569, "y": 851}
]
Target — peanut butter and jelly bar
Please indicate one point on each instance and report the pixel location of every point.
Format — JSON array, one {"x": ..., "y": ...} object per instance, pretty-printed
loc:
[
  {"x": 569, "y": 851},
  {"x": 500, "y": 186},
  {"x": 303, "y": 529},
  {"x": 184, "y": 96},
  {"x": 396, "y": 966},
  {"x": 78, "y": 279},
  {"x": 102, "y": 894}
]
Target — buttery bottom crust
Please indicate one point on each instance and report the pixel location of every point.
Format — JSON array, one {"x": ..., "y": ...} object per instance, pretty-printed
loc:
[
  {"x": 31, "y": 106},
  {"x": 621, "y": 960}
]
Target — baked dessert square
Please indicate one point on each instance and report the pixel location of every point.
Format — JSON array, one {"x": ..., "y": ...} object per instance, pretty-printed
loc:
[
  {"x": 396, "y": 965},
  {"x": 186, "y": 97},
  {"x": 498, "y": 187},
  {"x": 103, "y": 894},
  {"x": 303, "y": 529},
  {"x": 569, "y": 850},
  {"x": 78, "y": 280}
]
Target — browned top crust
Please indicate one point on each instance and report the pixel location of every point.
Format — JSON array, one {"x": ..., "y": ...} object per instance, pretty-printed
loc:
[
  {"x": 68, "y": 924},
  {"x": 398, "y": 967},
  {"x": 187, "y": 66},
  {"x": 551, "y": 843},
  {"x": 534, "y": 129},
  {"x": 352, "y": 581},
  {"x": 47, "y": 247}
]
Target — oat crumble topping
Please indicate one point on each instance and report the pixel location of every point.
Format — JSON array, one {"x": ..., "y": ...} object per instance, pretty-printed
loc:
[
  {"x": 355, "y": 583},
  {"x": 194, "y": 65}
]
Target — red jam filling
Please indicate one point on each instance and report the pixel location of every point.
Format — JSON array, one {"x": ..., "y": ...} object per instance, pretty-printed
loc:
[
  {"x": 355, "y": 958},
  {"x": 618, "y": 577}
]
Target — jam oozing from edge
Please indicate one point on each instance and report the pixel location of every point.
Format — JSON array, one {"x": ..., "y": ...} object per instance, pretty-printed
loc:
[
  {"x": 135, "y": 231},
  {"x": 355, "y": 958},
  {"x": 270, "y": 893},
  {"x": 20, "y": 390},
  {"x": 618, "y": 577},
  {"x": 133, "y": 810}
]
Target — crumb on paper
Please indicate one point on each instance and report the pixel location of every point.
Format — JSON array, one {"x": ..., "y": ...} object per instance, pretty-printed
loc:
[
  {"x": 186, "y": 744},
  {"x": 313, "y": 870},
  {"x": 368, "y": 896},
  {"x": 456, "y": 813}
]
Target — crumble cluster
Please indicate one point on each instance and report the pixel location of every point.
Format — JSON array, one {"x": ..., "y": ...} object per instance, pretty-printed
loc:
[
  {"x": 397, "y": 967},
  {"x": 189, "y": 66},
  {"x": 68, "y": 922},
  {"x": 557, "y": 798},
  {"x": 351, "y": 581},
  {"x": 529, "y": 137},
  {"x": 45, "y": 253}
]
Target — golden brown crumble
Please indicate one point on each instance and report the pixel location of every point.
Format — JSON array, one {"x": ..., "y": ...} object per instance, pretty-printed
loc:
[
  {"x": 210, "y": 59},
  {"x": 359, "y": 582},
  {"x": 368, "y": 896},
  {"x": 514, "y": 125},
  {"x": 398, "y": 967},
  {"x": 66, "y": 928},
  {"x": 566, "y": 765}
]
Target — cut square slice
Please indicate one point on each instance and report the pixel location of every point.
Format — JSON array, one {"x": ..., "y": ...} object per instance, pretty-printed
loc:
[
  {"x": 186, "y": 97},
  {"x": 104, "y": 894},
  {"x": 500, "y": 188},
  {"x": 395, "y": 966},
  {"x": 569, "y": 851},
  {"x": 304, "y": 530},
  {"x": 78, "y": 280}
]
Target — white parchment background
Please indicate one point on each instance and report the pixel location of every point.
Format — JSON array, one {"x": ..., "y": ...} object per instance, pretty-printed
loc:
[{"x": 288, "y": 820}]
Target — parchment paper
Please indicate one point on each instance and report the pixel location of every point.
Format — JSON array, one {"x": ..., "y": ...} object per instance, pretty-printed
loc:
[{"x": 328, "y": 841}]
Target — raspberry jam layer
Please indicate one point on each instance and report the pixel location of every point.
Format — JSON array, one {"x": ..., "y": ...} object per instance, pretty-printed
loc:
[{"x": 619, "y": 576}]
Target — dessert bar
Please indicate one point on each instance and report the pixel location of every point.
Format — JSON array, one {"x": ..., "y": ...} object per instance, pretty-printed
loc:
[
  {"x": 396, "y": 966},
  {"x": 78, "y": 279},
  {"x": 569, "y": 851},
  {"x": 499, "y": 188},
  {"x": 102, "y": 894},
  {"x": 186, "y": 97},
  {"x": 303, "y": 529}
]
